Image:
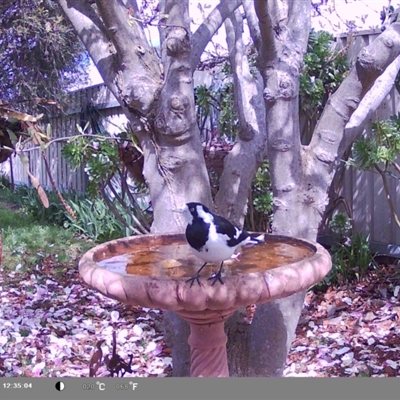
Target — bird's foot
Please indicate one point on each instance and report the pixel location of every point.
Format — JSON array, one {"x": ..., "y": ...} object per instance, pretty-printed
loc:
[
  {"x": 216, "y": 277},
  {"x": 193, "y": 279},
  {"x": 236, "y": 256}
]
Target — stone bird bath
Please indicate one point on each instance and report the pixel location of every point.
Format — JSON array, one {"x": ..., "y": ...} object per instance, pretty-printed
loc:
[{"x": 151, "y": 271}]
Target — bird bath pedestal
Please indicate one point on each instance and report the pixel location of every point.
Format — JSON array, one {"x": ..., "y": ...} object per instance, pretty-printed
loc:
[{"x": 151, "y": 271}]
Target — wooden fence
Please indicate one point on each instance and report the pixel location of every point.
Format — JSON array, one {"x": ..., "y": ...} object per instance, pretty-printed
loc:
[{"x": 363, "y": 191}]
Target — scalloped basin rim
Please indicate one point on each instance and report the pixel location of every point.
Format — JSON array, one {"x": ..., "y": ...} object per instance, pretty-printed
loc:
[{"x": 176, "y": 295}]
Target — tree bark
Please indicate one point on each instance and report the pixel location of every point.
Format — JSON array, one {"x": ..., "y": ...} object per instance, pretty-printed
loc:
[
  {"x": 160, "y": 107},
  {"x": 301, "y": 175},
  {"x": 210, "y": 26},
  {"x": 331, "y": 138},
  {"x": 248, "y": 152},
  {"x": 372, "y": 100},
  {"x": 284, "y": 28}
]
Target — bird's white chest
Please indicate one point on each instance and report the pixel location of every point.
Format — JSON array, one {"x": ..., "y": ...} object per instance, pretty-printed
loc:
[{"x": 216, "y": 248}]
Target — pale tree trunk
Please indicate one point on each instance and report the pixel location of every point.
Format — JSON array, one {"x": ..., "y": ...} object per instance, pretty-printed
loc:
[
  {"x": 248, "y": 152},
  {"x": 332, "y": 137},
  {"x": 301, "y": 175},
  {"x": 260, "y": 349},
  {"x": 158, "y": 101},
  {"x": 160, "y": 106},
  {"x": 240, "y": 166},
  {"x": 177, "y": 153}
]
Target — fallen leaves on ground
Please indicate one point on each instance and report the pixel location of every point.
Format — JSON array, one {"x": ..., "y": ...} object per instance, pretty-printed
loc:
[
  {"x": 53, "y": 325},
  {"x": 49, "y": 326},
  {"x": 351, "y": 331}
]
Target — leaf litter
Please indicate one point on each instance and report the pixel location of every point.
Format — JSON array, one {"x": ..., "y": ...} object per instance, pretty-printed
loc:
[
  {"x": 55, "y": 326},
  {"x": 350, "y": 331},
  {"x": 52, "y": 326}
]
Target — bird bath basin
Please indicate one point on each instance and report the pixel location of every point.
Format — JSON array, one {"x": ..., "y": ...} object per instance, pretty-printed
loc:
[{"x": 151, "y": 271}]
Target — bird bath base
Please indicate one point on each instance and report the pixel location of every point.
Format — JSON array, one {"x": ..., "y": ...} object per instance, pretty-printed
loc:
[{"x": 151, "y": 271}]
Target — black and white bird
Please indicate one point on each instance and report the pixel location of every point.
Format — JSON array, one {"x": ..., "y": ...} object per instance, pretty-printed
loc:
[{"x": 213, "y": 238}]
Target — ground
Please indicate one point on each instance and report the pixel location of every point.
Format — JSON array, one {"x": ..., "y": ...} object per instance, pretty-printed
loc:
[
  {"x": 51, "y": 321},
  {"x": 351, "y": 330}
]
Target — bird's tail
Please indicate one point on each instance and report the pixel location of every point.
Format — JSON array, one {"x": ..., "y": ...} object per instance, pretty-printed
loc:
[{"x": 256, "y": 240}]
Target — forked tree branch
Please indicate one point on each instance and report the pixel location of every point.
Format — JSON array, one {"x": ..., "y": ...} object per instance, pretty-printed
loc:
[
  {"x": 94, "y": 36},
  {"x": 247, "y": 154},
  {"x": 252, "y": 22},
  {"x": 329, "y": 139},
  {"x": 124, "y": 28},
  {"x": 370, "y": 103},
  {"x": 139, "y": 74},
  {"x": 209, "y": 27}
]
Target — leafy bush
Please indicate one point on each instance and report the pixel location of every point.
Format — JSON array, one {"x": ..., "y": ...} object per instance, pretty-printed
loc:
[
  {"x": 55, "y": 214},
  {"x": 29, "y": 243},
  {"x": 259, "y": 215},
  {"x": 93, "y": 217},
  {"x": 340, "y": 225},
  {"x": 379, "y": 153},
  {"x": 322, "y": 73},
  {"x": 95, "y": 220},
  {"x": 16, "y": 197},
  {"x": 351, "y": 261},
  {"x": 108, "y": 181},
  {"x": 382, "y": 147},
  {"x": 99, "y": 156}
]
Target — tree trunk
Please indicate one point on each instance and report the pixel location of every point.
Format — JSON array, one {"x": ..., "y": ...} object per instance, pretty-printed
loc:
[
  {"x": 160, "y": 107},
  {"x": 248, "y": 152}
]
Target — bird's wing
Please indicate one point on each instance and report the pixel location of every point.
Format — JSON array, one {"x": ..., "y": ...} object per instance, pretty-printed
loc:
[{"x": 235, "y": 234}]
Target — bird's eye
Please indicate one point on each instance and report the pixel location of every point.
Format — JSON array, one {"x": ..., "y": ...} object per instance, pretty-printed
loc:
[{"x": 191, "y": 209}]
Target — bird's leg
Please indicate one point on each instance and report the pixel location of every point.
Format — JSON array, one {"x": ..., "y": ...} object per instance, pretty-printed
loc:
[
  {"x": 217, "y": 275},
  {"x": 196, "y": 276}
]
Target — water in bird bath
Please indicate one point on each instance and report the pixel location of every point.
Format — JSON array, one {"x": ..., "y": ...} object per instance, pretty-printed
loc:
[{"x": 174, "y": 259}]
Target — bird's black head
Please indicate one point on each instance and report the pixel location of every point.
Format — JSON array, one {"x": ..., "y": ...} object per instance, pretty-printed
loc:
[{"x": 196, "y": 210}]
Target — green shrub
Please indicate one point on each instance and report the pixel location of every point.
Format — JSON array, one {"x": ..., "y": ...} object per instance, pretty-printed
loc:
[
  {"x": 95, "y": 220},
  {"x": 259, "y": 214},
  {"x": 340, "y": 225},
  {"x": 352, "y": 260},
  {"x": 55, "y": 214},
  {"x": 27, "y": 243},
  {"x": 93, "y": 217}
]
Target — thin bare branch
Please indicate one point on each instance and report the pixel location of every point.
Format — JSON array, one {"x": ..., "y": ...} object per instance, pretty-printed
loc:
[
  {"x": 139, "y": 74},
  {"x": 396, "y": 166},
  {"x": 94, "y": 36},
  {"x": 369, "y": 104},
  {"x": 116, "y": 214},
  {"x": 252, "y": 22},
  {"x": 247, "y": 154},
  {"x": 267, "y": 25},
  {"x": 69, "y": 138},
  {"x": 329, "y": 140},
  {"x": 388, "y": 196},
  {"x": 209, "y": 27}
]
